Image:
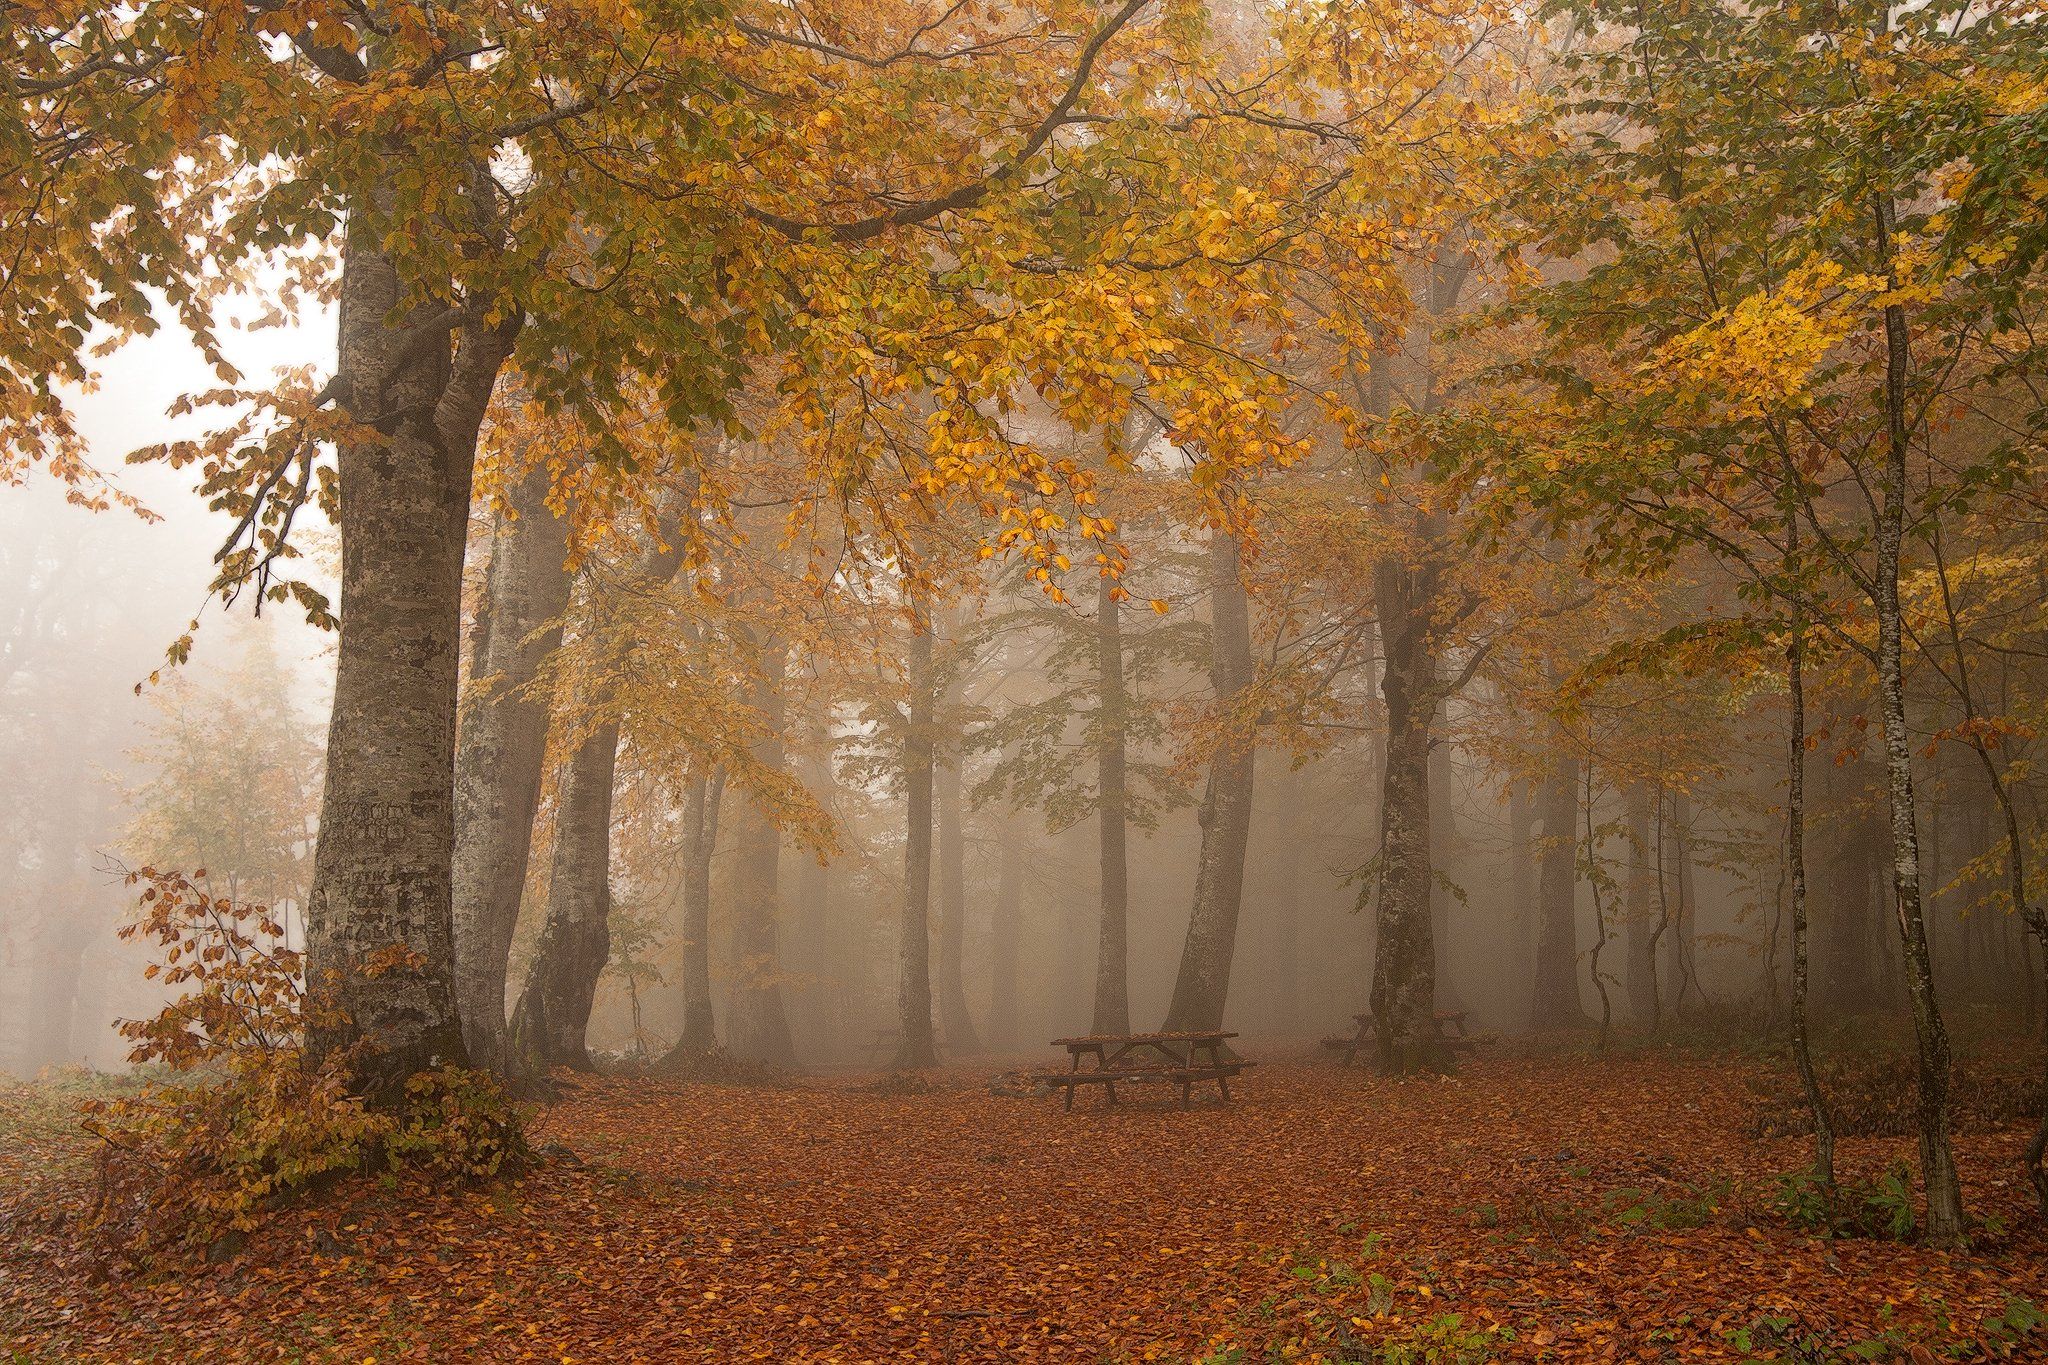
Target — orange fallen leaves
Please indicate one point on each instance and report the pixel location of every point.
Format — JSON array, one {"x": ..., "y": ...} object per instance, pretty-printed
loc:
[{"x": 822, "y": 1222}]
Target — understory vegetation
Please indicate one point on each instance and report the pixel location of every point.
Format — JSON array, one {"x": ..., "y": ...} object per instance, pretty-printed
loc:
[{"x": 227, "y": 1120}]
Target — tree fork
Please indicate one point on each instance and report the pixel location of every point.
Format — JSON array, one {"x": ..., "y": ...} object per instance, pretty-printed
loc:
[{"x": 379, "y": 918}]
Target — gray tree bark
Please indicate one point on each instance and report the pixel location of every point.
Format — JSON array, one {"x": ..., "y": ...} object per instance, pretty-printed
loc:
[
  {"x": 1408, "y": 590},
  {"x": 379, "y": 918},
  {"x": 1404, "y": 962},
  {"x": 1203, "y": 985},
  {"x": 1945, "y": 1219},
  {"x": 553, "y": 1011},
  {"x": 700, "y": 840},
  {"x": 500, "y": 745},
  {"x": 914, "y": 945}
]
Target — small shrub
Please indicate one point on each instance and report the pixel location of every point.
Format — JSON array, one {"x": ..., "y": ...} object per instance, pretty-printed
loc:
[
  {"x": 241, "y": 1120},
  {"x": 1780, "y": 1337},
  {"x": 1341, "y": 1315},
  {"x": 1785, "y": 1337},
  {"x": 1443, "y": 1340},
  {"x": 1881, "y": 1206},
  {"x": 2015, "y": 1326},
  {"x": 1674, "y": 1210}
]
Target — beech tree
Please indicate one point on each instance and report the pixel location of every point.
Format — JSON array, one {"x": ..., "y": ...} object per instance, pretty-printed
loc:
[
  {"x": 917, "y": 1045},
  {"x": 1801, "y": 335},
  {"x": 500, "y": 180},
  {"x": 1202, "y": 987},
  {"x": 500, "y": 742}
]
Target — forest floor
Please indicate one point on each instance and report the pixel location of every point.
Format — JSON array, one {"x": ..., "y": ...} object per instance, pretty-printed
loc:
[{"x": 1567, "y": 1209}]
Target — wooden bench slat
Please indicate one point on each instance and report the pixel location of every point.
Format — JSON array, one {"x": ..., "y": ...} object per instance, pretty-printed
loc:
[
  {"x": 1132, "y": 1039},
  {"x": 1121, "y": 1057}
]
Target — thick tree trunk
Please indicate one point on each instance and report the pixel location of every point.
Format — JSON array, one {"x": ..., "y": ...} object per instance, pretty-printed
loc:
[
  {"x": 914, "y": 990},
  {"x": 554, "y": 1007},
  {"x": 757, "y": 1026},
  {"x": 379, "y": 919},
  {"x": 1203, "y": 985},
  {"x": 700, "y": 840},
  {"x": 956, "y": 1021},
  {"x": 1445, "y": 849},
  {"x": 1945, "y": 1219},
  {"x": 1556, "y": 1001},
  {"x": 500, "y": 744},
  {"x": 1404, "y": 965},
  {"x": 549, "y": 1022},
  {"x": 1112, "y": 966}
]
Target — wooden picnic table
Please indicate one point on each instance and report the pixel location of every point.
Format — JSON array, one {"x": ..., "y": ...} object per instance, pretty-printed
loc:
[
  {"x": 1449, "y": 1026},
  {"x": 1182, "y": 1058}
]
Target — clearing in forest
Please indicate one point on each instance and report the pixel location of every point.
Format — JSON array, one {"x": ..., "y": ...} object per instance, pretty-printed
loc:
[{"x": 1541, "y": 1209}]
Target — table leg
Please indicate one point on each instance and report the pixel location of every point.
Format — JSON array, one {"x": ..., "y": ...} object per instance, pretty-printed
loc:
[{"x": 1215, "y": 1052}]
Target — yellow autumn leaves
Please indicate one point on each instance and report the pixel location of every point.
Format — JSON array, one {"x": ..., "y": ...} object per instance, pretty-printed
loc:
[{"x": 1761, "y": 354}]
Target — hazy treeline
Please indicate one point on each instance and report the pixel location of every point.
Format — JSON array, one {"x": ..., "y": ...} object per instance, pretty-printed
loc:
[
  {"x": 218, "y": 767},
  {"x": 1219, "y": 516}
]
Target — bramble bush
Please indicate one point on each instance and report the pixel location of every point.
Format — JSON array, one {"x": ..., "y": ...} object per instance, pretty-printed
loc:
[{"x": 239, "y": 1119}]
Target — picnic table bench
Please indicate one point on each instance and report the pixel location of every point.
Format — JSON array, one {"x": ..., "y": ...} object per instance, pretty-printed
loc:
[
  {"x": 1179, "y": 1058},
  {"x": 1449, "y": 1025}
]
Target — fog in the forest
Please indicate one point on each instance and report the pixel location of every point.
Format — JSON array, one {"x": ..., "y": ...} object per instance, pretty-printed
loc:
[
  {"x": 116, "y": 761},
  {"x": 964, "y": 680},
  {"x": 109, "y": 771}
]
